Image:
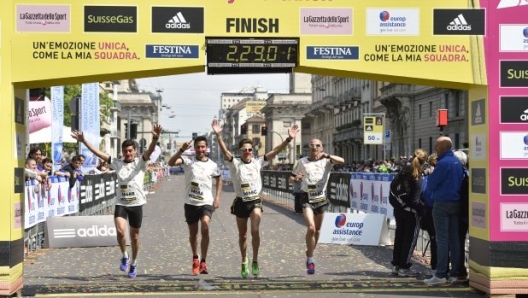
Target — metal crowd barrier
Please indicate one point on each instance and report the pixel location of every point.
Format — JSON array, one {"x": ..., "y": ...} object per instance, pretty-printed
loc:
[
  {"x": 34, "y": 236},
  {"x": 278, "y": 190}
]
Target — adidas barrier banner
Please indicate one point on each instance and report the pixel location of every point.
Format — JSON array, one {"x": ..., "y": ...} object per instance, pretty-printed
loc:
[{"x": 81, "y": 231}]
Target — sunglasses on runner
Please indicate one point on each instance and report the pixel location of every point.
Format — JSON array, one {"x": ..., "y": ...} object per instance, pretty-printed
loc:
[
  {"x": 246, "y": 149},
  {"x": 315, "y": 145}
]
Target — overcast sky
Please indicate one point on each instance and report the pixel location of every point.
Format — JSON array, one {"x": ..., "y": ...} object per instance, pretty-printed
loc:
[{"x": 195, "y": 98}]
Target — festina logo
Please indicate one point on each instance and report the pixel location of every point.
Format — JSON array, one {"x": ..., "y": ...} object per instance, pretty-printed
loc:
[
  {"x": 252, "y": 25},
  {"x": 172, "y": 50},
  {"x": 511, "y": 3},
  {"x": 346, "y": 51}
]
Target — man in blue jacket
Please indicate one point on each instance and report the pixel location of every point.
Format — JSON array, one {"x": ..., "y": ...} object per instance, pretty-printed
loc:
[{"x": 445, "y": 183}]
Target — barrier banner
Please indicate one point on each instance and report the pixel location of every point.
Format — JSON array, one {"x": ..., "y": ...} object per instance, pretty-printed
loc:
[
  {"x": 57, "y": 125},
  {"x": 95, "y": 189},
  {"x": 81, "y": 231},
  {"x": 89, "y": 123},
  {"x": 30, "y": 206},
  {"x": 337, "y": 189},
  {"x": 276, "y": 181},
  {"x": 354, "y": 228}
]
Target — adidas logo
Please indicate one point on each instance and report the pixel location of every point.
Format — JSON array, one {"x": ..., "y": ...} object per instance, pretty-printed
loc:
[
  {"x": 459, "y": 24},
  {"x": 511, "y": 3},
  {"x": 524, "y": 116},
  {"x": 178, "y": 22}
]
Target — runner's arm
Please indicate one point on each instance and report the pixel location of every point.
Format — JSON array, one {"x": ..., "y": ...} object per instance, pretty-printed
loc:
[
  {"x": 155, "y": 136},
  {"x": 216, "y": 202}
]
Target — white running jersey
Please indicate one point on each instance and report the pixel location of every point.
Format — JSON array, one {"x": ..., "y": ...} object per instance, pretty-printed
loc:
[
  {"x": 315, "y": 177},
  {"x": 130, "y": 177},
  {"x": 246, "y": 177},
  {"x": 199, "y": 181}
]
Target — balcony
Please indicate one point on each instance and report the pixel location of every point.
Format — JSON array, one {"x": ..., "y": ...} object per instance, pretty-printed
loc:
[
  {"x": 395, "y": 90},
  {"x": 327, "y": 104},
  {"x": 349, "y": 134},
  {"x": 116, "y": 107}
]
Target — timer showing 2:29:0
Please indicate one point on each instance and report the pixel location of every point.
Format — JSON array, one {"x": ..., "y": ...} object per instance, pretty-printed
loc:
[{"x": 239, "y": 52}]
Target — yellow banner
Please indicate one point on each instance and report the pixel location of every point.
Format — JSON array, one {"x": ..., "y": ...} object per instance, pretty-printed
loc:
[{"x": 379, "y": 39}]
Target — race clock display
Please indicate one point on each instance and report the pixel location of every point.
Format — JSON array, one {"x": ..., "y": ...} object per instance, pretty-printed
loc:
[{"x": 251, "y": 55}]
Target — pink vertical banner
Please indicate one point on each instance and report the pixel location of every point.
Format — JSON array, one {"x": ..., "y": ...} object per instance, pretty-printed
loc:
[{"x": 506, "y": 49}]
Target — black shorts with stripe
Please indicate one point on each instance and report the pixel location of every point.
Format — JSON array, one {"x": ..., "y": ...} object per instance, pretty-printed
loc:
[{"x": 243, "y": 209}]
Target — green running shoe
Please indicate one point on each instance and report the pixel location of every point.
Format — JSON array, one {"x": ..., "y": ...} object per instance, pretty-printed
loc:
[
  {"x": 255, "y": 268},
  {"x": 244, "y": 272}
]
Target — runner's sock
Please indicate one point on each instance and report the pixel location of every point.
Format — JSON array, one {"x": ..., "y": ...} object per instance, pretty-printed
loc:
[
  {"x": 202, "y": 260},
  {"x": 125, "y": 254},
  {"x": 134, "y": 262},
  {"x": 311, "y": 260}
]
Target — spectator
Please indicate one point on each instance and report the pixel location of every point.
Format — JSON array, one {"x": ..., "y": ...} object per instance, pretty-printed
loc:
[
  {"x": 444, "y": 183},
  {"x": 463, "y": 220},
  {"x": 408, "y": 219},
  {"x": 427, "y": 220}
]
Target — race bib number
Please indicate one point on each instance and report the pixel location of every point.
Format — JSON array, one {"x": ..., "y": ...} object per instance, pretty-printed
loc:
[
  {"x": 248, "y": 192},
  {"x": 127, "y": 194},
  {"x": 315, "y": 195},
  {"x": 195, "y": 192}
]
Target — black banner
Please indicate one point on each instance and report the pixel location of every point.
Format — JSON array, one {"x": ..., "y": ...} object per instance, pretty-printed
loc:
[
  {"x": 96, "y": 189},
  {"x": 337, "y": 189},
  {"x": 277, "y": 180}
]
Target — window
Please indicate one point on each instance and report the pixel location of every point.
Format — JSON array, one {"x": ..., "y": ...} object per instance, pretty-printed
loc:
[
  {"x": 419, "y": 114},
  {"x": 430, "y": 109},
  {"x": 430, "y": 145},
  {"x": 457, "y": 103},
  {"x": 446, "y": 101},
  {"x": 256, "y": 141},
  {"x": 457, "y": 140},
  {"x": 306, "y": 125},
  {"x": 255, "y": 128},
  {"x": 420, "y": 143}
]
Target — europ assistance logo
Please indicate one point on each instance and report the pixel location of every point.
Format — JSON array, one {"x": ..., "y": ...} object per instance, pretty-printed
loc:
[{"x": 347, "y": 228}]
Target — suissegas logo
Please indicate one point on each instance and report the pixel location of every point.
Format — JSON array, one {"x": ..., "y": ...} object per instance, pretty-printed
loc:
[
  {"x": 340, "y": 220},
  {"x": 96, "y": 231}
]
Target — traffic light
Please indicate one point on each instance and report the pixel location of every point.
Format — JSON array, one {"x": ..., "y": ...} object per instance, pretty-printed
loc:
[
  {"x": 264, "y": 131},
  {"x": 194, "y": 135},
  {"x": 243, "y": 129}
]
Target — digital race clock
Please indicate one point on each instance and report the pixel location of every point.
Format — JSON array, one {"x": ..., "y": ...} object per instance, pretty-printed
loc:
[{"x": 251, "y": 55}]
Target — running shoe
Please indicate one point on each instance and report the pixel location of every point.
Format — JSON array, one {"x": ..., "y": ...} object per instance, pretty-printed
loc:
[
  {"x": 196, "y": 266},
  {"x": 310, "y": 268},
  {"x": 395, "y": 270},
  {"x": 407, "y": 272},
  {"x": 203, "y": 268},
  {"x": 255, "y": 269},
  {"x": 124, "y": 264},
  {"x": 244, "y": 271},
  {"x": 132, "y": 272}
]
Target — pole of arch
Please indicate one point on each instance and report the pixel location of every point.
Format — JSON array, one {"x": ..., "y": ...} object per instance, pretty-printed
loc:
[
  {"x": 498, "y": 264},
  {"x": 12, "y": 128}
]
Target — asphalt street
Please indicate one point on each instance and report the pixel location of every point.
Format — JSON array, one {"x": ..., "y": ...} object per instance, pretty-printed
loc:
[{"x": 165, "y": 261}]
